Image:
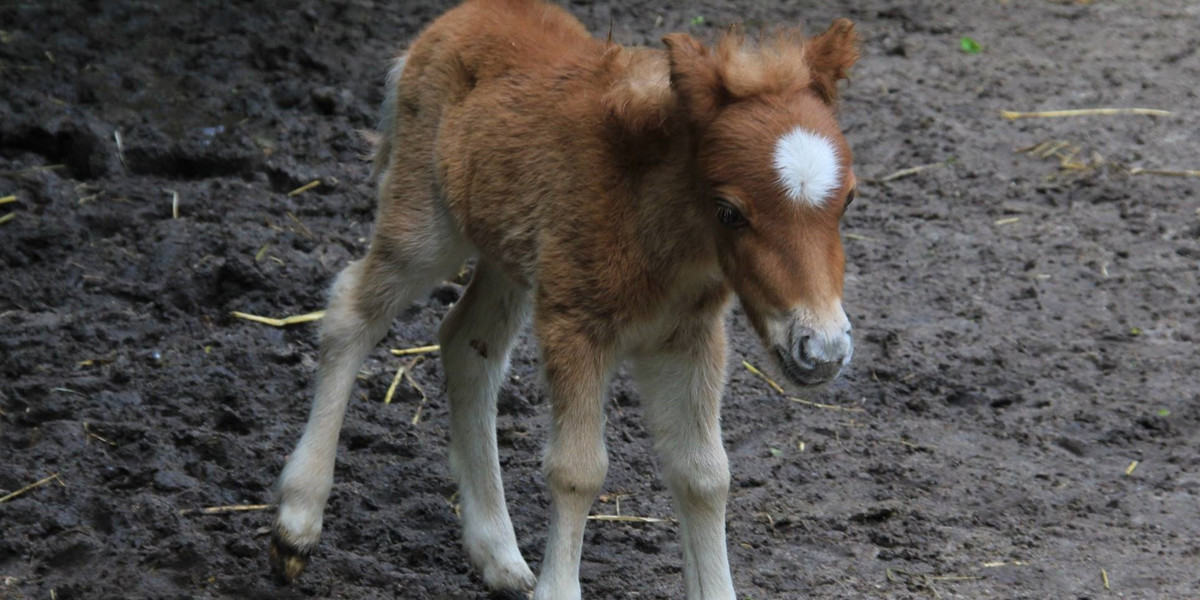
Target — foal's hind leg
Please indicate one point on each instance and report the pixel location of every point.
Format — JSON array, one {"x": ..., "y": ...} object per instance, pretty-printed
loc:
[
  {"x": 476, "y": 339},
  {"x": 400, "y": 266}
]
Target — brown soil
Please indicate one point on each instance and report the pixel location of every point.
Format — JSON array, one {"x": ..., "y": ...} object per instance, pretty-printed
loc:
[{"x": 1025, "y": 332}]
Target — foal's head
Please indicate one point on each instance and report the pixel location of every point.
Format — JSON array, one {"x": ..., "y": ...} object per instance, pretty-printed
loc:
[{"x": 777, "y": 180}]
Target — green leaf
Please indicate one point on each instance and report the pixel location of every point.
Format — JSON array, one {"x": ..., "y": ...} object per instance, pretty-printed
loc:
[
  {"x": 970, "y": 46},
  {"x": 776, "y": 452},
  {"x": 1164, "y": 412},
  {"x": 1135, "y": 331},
  {"x": 697, "y": 20}
]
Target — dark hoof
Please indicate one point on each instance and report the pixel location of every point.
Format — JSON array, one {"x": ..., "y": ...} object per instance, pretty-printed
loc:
[{"x": 287, "y": 561}]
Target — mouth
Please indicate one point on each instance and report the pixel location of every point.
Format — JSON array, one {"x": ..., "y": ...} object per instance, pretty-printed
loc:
[{"x": 806, "y": 375}]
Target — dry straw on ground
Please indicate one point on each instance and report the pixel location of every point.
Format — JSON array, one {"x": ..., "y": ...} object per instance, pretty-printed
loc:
[
  {"x": 174, "y": 203},
  {"x": 33, "y": 486},
  {"x": 1013, "y": 115},
  {"x": 416, "y": 350},
  {"x": 907, "y": 172},
  {"x": 303, "y": 228},
  {"x": 284, "y": 322},
  {"x": 304, "y": 188},
  {"x": 224, "y": 510},
  {"x": 779, "y": 388}
]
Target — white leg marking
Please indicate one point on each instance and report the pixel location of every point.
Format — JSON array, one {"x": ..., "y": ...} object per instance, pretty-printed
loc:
[
  {"x": 477, "y": 337},
  {"x": 682, "y": 391},
  {"x": 365, "y": 298},
  {"x": 346, "y": 338},
  {"x": 575, "y": 463}
]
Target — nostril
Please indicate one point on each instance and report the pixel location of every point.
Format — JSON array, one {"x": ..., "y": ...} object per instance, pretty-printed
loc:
[{"x": 801, "y": 350}]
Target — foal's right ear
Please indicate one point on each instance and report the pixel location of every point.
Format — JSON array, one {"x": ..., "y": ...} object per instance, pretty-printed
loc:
[
  {"x": 830, "y": 55},
  {"x": 695, "y": 77}
]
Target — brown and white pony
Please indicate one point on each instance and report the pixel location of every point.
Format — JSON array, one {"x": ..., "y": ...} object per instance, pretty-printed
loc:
[{"x": 618, "y": 197}]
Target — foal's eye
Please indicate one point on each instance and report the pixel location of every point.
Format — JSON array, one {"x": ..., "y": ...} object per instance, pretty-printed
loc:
[
  {"x": 850, "y": 198},
  {"x": 729, "y": 215}
]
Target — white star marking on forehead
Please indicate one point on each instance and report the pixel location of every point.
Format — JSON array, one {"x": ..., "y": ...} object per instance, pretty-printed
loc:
[{"x": 807, "y": 164}]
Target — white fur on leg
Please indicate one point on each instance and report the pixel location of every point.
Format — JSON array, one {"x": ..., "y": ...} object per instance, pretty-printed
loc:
[
  {"x": 476, "y": 339},
  {"x": 575, "y": 470},
  {"x": 304, "y": 486},
  {"x": 682, "y": 394},
  {"x": 347, "y": 336},
  {"x": 575, "y": 465}
]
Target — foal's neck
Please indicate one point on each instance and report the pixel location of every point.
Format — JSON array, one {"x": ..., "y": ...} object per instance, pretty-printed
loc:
[{"x": 660, "y": 185}]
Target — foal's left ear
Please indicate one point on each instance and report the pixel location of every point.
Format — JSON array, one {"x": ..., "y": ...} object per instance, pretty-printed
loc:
[
  {"x": 830, "y": 56},
  {"x": 694, "y": 77}
]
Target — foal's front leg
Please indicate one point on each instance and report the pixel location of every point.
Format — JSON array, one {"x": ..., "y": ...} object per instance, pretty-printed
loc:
[
  {"x": 477, "y": 338},
  {"x": 576, "y": 460},
  {"x": 681, "y": 386}
]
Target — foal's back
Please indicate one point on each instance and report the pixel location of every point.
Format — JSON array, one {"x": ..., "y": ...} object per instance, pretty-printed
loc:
[
  {"x": 499, "y": 97},
  {"x": 490, "y": 37}
]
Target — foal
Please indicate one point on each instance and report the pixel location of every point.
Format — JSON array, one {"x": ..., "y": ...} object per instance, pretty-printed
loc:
[{"x": 619, "y": 197}]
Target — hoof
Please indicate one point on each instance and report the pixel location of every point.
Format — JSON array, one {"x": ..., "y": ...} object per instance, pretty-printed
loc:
[
  {"x": 287, "y": 560},
  {"x": 512, "y": 581}
]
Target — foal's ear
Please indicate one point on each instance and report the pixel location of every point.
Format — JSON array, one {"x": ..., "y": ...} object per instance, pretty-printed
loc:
[
  {"x": 695, "y": 77},
  {"x": 830, "y": 56}
]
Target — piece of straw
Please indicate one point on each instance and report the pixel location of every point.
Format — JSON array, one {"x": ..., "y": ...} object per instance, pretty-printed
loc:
[
  {"x": 304, "y": 188},
  {"x": 391, "y": 391},
  {"x": 7, "y": 218},
  {"x": 1129, "y": 470},
  {"x": 7, "y": 199},
  {"x": 779, "y": 388},
  {"x": 1000, "y": 563},
  {"x": 174, "y": 203},
  {"x": 91, "y": 433},
  {"x": 1012, "y": 115},
  {"x": 1184, "y": 173},
  {"x": 909, "y": 171},
  {"x": 120, "y": 147},
  {"x": 417, "y": 350},
  {"x": 828, "y": 406},
  {"x": 861, "y": 238},
  {"x": 627, "y": 519},
  {"x": 224, "y": 510},
  {"x": 37, "y": 484},
  {"x": 303, "y": 228},
  {"x": 753, "y": 369},
  {"x": 284, "y": 322},
  {"x": 1008, "y": 221}
]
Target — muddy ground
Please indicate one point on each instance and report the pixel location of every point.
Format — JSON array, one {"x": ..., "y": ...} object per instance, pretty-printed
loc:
[{"x": 1026, "y": 332}]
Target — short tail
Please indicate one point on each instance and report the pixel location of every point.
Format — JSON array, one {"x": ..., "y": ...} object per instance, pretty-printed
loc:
[{"x": 382, "y": 140}]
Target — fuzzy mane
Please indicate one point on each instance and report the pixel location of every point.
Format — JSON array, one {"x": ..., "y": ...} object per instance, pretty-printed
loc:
[{"x": 781, "y": 62}]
